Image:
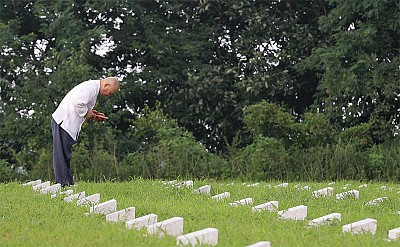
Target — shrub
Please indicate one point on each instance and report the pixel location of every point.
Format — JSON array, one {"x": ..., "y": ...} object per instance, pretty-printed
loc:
[{"x": 264, "y": 159}]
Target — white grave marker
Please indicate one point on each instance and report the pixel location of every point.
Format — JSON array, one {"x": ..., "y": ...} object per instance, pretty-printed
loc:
[
  {"x": 323, "y": 192},
  {"x": 221, "y": 196},
  {"x": 394, "y": 233},
  {"x": 89, "y": 200},
  {"x": 63, "y": 193},
  {"x": 207, "y": 236},
  {"x": 362, "y": 226},
  {"x": 283, "y": 185},
  {"x": 204, "y": 190},
  {"x": 141, "y": 222},
  {"x": 268, "y": 206},
  {"x": 171, "y": 182},
  {"x": 351, "y": 193},
  {"x": 376, "y": 201},
  {"x": 245, "y": 201},
  {"x": 172, "y": 227},
  {"x": 104, "y": 207},
  {"x": 122, "y": 215},
  {"x": 186, "y": 184},
  {"x": 51, "y": 189},
  {"x": 325, "y": 219},
  {"x": 41, "y": 186},
  {"x": 33, "y": 183},
  {"x": 260, "y": 244},
  {"x": 253, "y": 185},
  {"x": 76, "y": 196},
  {"x": 295, "y": 213}
]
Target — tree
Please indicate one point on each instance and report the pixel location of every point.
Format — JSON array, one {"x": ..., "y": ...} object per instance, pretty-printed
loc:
[{"x": 359, "y": 65}]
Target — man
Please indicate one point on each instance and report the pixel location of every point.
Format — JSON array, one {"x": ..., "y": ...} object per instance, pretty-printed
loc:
[{"x": 74, "y": 109}]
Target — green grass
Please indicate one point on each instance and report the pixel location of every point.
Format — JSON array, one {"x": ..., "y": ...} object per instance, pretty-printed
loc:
[{"x": 28, "y": 218}]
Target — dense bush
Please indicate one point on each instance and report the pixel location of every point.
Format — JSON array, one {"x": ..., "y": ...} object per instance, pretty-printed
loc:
[
  {"x": 168, "y": 151},
  {"x": 264, "y": 159}
]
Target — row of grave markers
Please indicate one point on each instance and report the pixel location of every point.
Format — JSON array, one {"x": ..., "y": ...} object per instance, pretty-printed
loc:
[
  {"x": 209, "y": 236},
  {"x": 172, "y": 227},
  {"x": 300, "y": 212}
]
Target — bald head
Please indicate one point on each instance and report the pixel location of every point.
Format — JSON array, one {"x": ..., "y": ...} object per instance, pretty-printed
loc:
[{"x": 109, "y": 86}]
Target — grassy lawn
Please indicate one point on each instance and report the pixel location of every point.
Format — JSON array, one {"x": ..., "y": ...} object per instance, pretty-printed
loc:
[{"x": 28, "y": 218}]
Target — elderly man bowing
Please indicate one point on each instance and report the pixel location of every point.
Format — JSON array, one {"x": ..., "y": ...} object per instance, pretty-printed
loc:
[{"x": 68, "y": 118}]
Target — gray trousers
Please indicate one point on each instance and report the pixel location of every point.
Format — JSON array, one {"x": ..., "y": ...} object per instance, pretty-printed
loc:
[{"x": 62, "y": 153}]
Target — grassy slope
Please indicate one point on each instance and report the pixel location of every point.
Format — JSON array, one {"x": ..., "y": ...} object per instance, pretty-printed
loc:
[{"x": 28, "y": 218}]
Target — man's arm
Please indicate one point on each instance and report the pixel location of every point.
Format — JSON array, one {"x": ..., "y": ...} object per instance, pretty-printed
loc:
[{"x": 91, "y": 114}]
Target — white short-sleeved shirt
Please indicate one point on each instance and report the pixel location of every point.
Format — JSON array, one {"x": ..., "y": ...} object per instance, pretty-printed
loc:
[{"x": 71, "y": 112}]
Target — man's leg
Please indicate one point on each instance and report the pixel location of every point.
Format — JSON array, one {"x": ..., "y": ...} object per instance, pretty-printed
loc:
[{"x": 62, "y": 153}]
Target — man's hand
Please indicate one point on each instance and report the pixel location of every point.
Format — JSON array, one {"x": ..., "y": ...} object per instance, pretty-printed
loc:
[
  {"x": 95, "y": 116},
  {"x": 91, "y": 114},
  {"x": 100, "y": 117}
]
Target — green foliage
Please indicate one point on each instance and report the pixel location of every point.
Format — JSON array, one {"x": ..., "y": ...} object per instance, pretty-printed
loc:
[
  {"x": 359, "y": 135},
  {"x": 336, "y": 161},
  {"x": 264, "y": 159},
  {"x": 315, "y": 130},
  {"x": 269, "y": 119},
  {"x": 167, "y": 151},
  {"x": 6, "y": 172},
  {"x": 43, "y": 167},
  {"x": 359, "y": 62}
]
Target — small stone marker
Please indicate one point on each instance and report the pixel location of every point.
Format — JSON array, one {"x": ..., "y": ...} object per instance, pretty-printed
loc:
[
  {"x": 104, "y": 207},
  {"x": 245, "y": 201},
  {"x": 283, "y": 185},
  {"x": 141, "y": 222},
  {"x": 76, "y": 196},
  {"x": 172, "y": 227},
  {"x": 51, "y": 189},
  {"x": 33, "y": 183},
  {"x": 41, "y": 186},
  {"x": 268, "y": 206},
  {"x": 362, "y": 226},
  {"x": 376, "y": 201},
  {"x": 66, "y": 192},
  {"x": 207, "y": 236},
  {"x": 124, "y": 215},
  {"x": 253, "y": 185},
  {"x": 323, "y": 192},
  {"x": 394, "y": 233},
  {"x": 351, "y": 193},
  {"x": 171, "y": 182},
  {"x": 327, "y": 219},
  {"x": 331, "y": 183},
  {"x": 363, "y": 186},
  {"x": 260, "y": 244},
  {"x": 298, "y": 187},
  {"x": 221, "y": 196},
  {"x": 89, "y": 200},
  {"x": 204, "y": 190},
  {"x": 63, "y": 193},
  {"x": 186, "y": 184},
  {"x": 295, "y": 213}
]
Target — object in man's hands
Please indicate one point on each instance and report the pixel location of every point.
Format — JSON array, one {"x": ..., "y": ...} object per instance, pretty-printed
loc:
[{"x": 100, "y": 117}]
